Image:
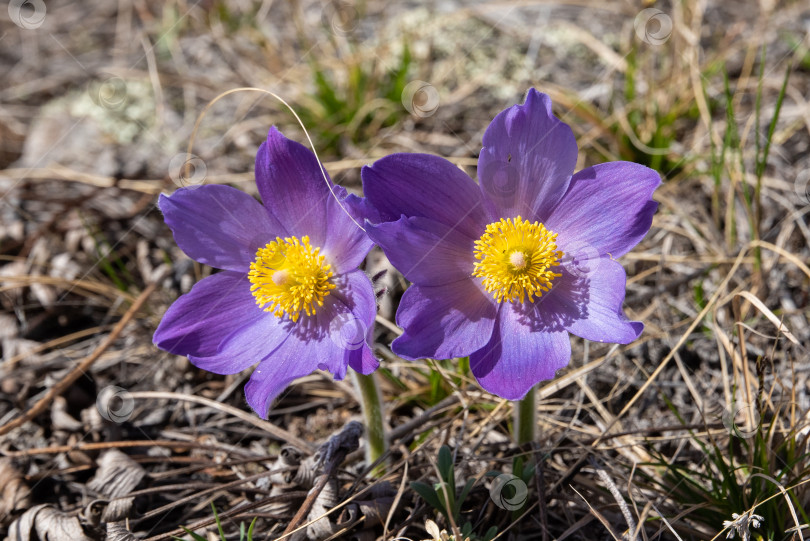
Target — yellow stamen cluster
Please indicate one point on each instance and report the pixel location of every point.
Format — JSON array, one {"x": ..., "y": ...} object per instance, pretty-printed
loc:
[
  {"x": 515, "y": 259},
  {"x": 290, "y": 276}
]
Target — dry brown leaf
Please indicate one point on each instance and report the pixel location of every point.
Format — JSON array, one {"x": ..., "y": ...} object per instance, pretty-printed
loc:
[
  {"x": 15, "y": 491},
  {"x": 47, "y": 522},
  {"x": 117, "y": 476},
  {"x": 117, "y": 531}
]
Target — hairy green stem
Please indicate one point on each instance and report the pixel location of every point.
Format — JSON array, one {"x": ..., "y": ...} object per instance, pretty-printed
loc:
[
  {"x": 525, "y": 418},
  {"x": 371, "y": 404}
]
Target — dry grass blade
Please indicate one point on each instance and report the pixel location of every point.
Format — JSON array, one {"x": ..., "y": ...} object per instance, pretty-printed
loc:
[
  {"x": 780, "y": 326},
  {"x": 601, "y": 518},
  {"x": 82, "y": 367},
  {"x": 798, "y": 525},
  {"x": 278, "y": 433}
]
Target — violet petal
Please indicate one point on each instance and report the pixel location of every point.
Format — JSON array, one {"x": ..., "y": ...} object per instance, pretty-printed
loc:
[
  {"x": 527, "y": 160},
  {"x": 446, "y": 321},
  {"x": 426, "y": 252},
  {"x": 198, "y": 322},
  {"x": 588, "y": 303},
  {"x": 524, "y": 349},
  {"x": 332, "y": 339},
  {"x": 293, "y": 189},
  {"x": 424, "y": 185},
  {"x": 218, "y": 225},
  {"x": 608, "y": 208}
]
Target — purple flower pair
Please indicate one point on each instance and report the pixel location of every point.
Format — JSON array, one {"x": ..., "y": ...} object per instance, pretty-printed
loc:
[{"x": 502, "y": 271}]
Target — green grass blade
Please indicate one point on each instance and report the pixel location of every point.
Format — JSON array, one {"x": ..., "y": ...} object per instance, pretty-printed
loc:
[
  {"x": 219, "y": 524},
  {"x": 772, "y": 127},
  {"x": 429, "y": 495},
  {"x": 195, "y": 536}
]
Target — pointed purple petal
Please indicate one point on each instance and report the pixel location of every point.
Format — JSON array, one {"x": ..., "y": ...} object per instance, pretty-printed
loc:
[
  {"x": 246, "y": 345},
  {"x": 447, "y": 321},
  {"x": 608, "y": 208},
  {"x": 199, "y": 321},
  {"x": 349, "y": 321},
  {"x": 524, "y": 349},
  {"x": 362, "y": 208},
  {"x": 527, "y": 160},
  {"x": 218, "y": 225},
  {"x": 273, "y": 375},
  {"x": 346, "y": 243},
  {"x": 292, "y": 186},
  {"x": 365, "y": 362},
  {"x": 332, "y": 339},
  {"x": 427, "y": 186},
  {"x": 426, "y": 252},
  {"x": 589, "y": 304}
]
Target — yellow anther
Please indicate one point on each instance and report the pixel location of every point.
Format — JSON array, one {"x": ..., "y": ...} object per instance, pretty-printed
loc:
[
  {"x": 515, "y": 259},
  {"x": 289, "y": 275}
]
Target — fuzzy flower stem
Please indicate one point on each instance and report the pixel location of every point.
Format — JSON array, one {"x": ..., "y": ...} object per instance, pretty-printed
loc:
[
  {"x": 371, "y": 404},
  {"x": 525, "y": 418}
]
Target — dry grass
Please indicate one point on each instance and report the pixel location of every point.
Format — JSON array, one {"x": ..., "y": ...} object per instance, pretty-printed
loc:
[{"x": 96, "y": 109}]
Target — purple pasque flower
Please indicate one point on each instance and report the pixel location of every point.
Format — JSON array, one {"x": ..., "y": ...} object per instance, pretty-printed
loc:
[
  {"x": 290, "y": 296},
  {"x": 504, "y": 270}
]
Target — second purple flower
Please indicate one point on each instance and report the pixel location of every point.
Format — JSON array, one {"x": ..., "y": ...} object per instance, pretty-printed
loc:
[{"x": 504, "y": 270}]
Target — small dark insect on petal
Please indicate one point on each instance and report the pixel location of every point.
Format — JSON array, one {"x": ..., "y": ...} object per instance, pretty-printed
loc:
[{"x": 378, "y": 276}]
